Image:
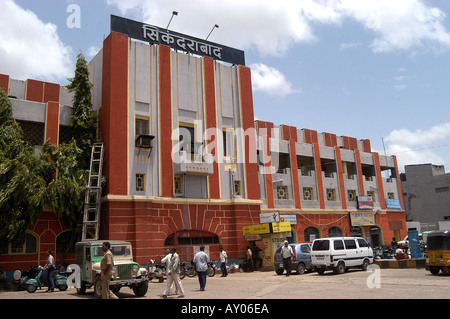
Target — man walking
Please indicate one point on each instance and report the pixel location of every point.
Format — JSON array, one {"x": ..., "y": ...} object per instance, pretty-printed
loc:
[
  {"x": 286, "y": 253},
  {"x": 106, "y": 266},
  {"x": 173, "y": 271},
  {"x": 223, "y": 262},
  {"x": 201, "y": 261},
  {"x": 50, "y": 265}
]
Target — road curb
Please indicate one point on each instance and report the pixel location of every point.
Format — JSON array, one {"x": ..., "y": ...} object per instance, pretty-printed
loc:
[{"x": 403, "y": 263}]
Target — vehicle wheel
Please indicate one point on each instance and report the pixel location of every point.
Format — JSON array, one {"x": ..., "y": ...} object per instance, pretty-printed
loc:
[
  {"x": 446, "y": 270},
  {"x": 62, "y": 287},
  {"x": 191, "y": 272},
  {"x": 182, "y": 273},
  {"x": 31, "y": 288},
  {"x": 279, "y": 271},
  {"x": 320, "y": 271},
  {"x": 301, "y": 268},
  {"x": 340, "y": 268},
  {"x": 365, "y": 265},
  {"x": 161, "y": 279},
  {"x": 434, "y": 270},
  {"x": 82, "y": 289},
  {"x": 211, "y": 271},
  {"x": 141, "y": 289},
  {"x": 98, "y": 288}
]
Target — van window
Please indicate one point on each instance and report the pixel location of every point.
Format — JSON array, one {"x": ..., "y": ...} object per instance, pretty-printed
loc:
[
  {"x": 338, "y": 244},
  {"x": 305, "y": 249},
  {"x": 362, "y": 242},
  {"x": 321, "y": 245},
  {"x": 350, "y": 243}
]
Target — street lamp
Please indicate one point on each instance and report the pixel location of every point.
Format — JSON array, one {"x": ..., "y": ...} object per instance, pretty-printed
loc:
[
  {"x": 215, "y": 26},
  {"x": 174, "y": 13}
]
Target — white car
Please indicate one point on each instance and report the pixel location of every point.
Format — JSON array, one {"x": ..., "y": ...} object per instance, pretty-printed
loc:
[{"x": 340, "y": 253}]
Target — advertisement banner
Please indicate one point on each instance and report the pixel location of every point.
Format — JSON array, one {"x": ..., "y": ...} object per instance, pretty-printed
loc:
[{"x": 362, "y": 218}]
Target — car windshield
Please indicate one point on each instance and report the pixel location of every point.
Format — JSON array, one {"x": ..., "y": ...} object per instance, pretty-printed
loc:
[
  {"x": 117, "y": 251},
  {"x": 321, "y": 245}
]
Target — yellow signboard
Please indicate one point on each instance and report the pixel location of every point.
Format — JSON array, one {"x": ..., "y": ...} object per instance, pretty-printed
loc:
[
  {"x": 256, "y": 229},
  {"x": 281, "y": 227}
]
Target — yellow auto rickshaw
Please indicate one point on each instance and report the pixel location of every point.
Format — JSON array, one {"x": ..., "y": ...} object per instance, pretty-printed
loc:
[{"x": 438, "y": 252}]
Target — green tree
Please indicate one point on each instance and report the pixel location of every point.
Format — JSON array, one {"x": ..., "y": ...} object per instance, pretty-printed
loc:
[
  {"x": 83, "y": 118},
  {"x": 23, "y": 178}
]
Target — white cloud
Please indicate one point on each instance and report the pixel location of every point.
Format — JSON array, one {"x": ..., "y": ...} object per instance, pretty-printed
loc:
[
  {"x": 418, "y": 147},
  {"x": 270, "y": 80},
  {"x": 272, "y": 27},
  {"x": 30, "y": 48}
]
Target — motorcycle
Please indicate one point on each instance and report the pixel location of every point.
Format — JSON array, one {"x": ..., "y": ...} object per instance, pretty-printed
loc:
[
  {"x": 23, "y": 276},
  {"x": 211, "y": 271},
  {"x": 60, "y": 280},
  {"x": 183, "y": 269},
  {"x": 156, "y": 270}
]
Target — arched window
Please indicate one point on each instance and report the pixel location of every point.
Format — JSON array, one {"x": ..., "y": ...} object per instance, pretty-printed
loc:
[
  {"x": 334, "y": 231},
  {"x": 28, "y": 247},
  {"x": 311, "y": 233}
]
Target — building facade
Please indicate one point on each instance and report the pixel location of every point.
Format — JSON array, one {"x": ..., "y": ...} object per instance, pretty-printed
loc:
[
  {"x": 426, "y": 194},
  {"x": 186, "y": 164}
]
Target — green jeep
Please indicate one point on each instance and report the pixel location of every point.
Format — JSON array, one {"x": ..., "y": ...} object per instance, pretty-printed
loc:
[{"x": 125, "y": 272}]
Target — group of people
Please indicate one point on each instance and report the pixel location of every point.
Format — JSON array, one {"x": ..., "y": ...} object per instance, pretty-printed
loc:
[{"x": 200, "y": 262}]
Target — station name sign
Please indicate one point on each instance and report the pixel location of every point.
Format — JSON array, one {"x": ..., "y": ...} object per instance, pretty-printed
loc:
[{"x": 177, "y": 41}]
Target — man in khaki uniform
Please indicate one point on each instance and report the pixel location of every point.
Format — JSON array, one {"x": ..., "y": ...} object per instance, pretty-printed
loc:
[{"x": 106, "y": 266}]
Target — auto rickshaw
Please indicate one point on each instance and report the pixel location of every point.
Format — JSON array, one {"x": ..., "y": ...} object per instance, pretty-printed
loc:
[{"x": 438, "y": 252}]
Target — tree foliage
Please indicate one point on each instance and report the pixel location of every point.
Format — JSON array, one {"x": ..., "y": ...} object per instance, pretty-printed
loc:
[
  {"x": 27, "y": 178},
  {"x": 23, "y": 178}
]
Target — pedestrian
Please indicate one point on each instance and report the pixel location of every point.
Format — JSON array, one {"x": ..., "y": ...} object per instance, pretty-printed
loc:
[
  {"x": 223, "y": 261},
  {"x": 50, "y": 265},
  {"x": 106, "y": 266},
  {"x": 249, "y": 258},
  {"x": 173, "y": 271},
  {"x": 201, "y": 261},
  {"x": 286, "y": 253}
]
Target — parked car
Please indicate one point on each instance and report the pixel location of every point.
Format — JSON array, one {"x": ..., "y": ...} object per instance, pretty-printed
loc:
[
  {"x": 340, "y": 253},
  {"x": 301, "y": 259}
]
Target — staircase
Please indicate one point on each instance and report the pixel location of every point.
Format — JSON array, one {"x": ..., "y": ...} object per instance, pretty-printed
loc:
[{"x": 92, "y": 197}]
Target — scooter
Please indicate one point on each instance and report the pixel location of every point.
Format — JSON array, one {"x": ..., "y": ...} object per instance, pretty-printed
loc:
[
  {"x": 60, "y": 280},
  {"x": 156, "y": 270}
]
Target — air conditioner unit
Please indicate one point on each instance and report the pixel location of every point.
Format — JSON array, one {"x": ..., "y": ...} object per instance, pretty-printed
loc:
[{"x": 144, "y": 141}]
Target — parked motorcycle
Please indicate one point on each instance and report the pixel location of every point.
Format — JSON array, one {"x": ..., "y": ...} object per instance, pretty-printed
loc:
[
  {"x": 183, "y": 270},
  {"x": 156, "y": 270},
  {"x": 60, "y": 280},
  {"x": 211, "y": 271}
]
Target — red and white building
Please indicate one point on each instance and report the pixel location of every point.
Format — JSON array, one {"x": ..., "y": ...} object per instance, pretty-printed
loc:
[{"x": 186, "y": 163}]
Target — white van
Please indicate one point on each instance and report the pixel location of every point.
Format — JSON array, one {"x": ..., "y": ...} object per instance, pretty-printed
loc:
[{"x": 340, "y": 253}]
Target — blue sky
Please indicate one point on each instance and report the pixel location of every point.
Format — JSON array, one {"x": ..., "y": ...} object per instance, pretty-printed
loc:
[{"x": 369, "y": 69}]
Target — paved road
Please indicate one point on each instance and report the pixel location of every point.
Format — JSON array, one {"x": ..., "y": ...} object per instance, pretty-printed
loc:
[{"x": 355, "y": 284}]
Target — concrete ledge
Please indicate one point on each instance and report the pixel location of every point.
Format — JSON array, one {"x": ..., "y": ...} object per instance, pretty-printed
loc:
[{"x": 403, "y": 263}]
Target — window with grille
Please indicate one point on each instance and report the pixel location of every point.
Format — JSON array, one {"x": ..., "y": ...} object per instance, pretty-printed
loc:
[
  {"x": 391, "y": 195},
  {"x": 140, "y": 182},
  {"x": 282, "y": 192},
  {"x": 351, "y": 195},
  {"x": 307, "y": 193},
  {"x": 237, "y": 188},
  {"x": 331, "y": 194},
  {"x": 178, "y": 184}
]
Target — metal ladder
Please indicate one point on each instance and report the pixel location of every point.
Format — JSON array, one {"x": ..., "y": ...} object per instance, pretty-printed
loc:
[{"x": 92, "y": 197}]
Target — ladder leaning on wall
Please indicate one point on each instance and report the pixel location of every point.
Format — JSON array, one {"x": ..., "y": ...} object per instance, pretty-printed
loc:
[{"x": 92, "y": 197}]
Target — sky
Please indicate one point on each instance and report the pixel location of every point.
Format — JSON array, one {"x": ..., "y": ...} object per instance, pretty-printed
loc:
[{"x": 370, "y": 69}]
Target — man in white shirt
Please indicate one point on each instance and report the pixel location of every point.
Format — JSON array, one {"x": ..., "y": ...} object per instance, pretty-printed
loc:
[
  {"x": 201, "y": 261},
  {"x": 223, "y": 262},
  {"x": 286, "y": 254},
  {"x": 173, "y": 272},
  {"x": 50, "y": 265}
]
